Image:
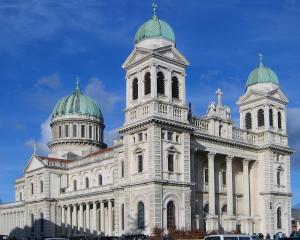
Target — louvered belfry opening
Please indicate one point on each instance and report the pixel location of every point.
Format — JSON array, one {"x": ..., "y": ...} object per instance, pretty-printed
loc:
[
  {"x": 271, "y": 118},
  {"x": 160, "y": 83},
  {"x": 135, "y": 89},
  {"x": 147, "y": 82},
  {"x": 175, "y": 87},
  {"x": 248, "y": 121},
  {"x": 260, "y": 118}
]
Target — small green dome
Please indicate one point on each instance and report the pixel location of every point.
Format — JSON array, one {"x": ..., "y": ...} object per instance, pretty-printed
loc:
[
  {"x": 77, "y": 103},
  {"x": 262, "y": 74},
  {"x": 155, "y": 28}
]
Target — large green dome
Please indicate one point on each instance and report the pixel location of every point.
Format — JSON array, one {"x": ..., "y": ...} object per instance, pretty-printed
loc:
[
  {"x": 262, "y": 74},
  {"x": 77, "y": 103},
  {"x": 155, "y": 28}
]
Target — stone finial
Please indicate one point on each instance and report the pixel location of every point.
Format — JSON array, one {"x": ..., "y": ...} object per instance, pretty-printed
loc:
[{"x": 219, "y": 95}]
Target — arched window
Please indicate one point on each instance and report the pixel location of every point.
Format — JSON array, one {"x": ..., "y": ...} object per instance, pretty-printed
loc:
[
  {"x": 271, "y": 117},
  {"x": 224, "y": 209},
  {"x": 87, "y": 182},
  {"x": 171, "y": 215},
  {"x": 175, "y": 87},
  {"x": 278, "y": 176},
  {"x": 75, "y": 185},
  {"x": 279, "y": 225},
  {"x": 260, "y": 118},
  {"x": 279, "y": 120},
  {"x": 41, "y": 187},
  {"x": 224, "y": 177},
  {"x": 248, "y": 120},
  {"x": 135, "y": 89},
  {"x": 100, "y": 179},
  {"x": 122, "y": 216},
  {"x": 141, "y": 215},
  {"x": 140, "y": 163},
  {"x": 160, "y": 83},
  {"x": 220, "y": 130},
  {"x": 147, "y": 83},
  {"x": 32, "y": 189},
  {"x": 74, "y": 130},
  {"x": 42, "y": 222}
]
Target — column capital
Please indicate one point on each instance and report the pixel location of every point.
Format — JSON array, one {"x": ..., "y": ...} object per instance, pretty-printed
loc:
[
  {"x": 246, "y": 161},
  {"x": 229, "y": 158},
  {"x": 211, "y": 155}
]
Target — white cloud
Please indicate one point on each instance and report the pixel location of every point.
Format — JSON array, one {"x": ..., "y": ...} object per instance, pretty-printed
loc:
[
  {"x": 45, "y": 137},
  {"x": 51, "y": 81},
  {"x": 106, "y": 100}
]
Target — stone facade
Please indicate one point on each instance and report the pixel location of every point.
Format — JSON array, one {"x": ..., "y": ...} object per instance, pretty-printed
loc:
[{"x": 167, "y": 168}]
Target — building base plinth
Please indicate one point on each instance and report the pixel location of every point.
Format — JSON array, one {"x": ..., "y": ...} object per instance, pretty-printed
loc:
[
  {"x": 246, "y": 225},
  {"x": 229, "y": 224},
  {"x": 212, "y": 223}
]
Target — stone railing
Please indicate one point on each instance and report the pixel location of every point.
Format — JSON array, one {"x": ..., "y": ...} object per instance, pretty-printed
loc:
[
  {"x": 243, "y": 136},
  {"x": 156, "y": 108},
  {"x": 200, "y": 124},
  {"x": 87, "y": 191}
]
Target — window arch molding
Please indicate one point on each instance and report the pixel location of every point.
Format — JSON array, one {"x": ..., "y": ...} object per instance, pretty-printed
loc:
[
  {"x": 140, "y": 198},
  {"x": 279, "y": 216},
  {"x": 248, "y": 121},
  {"x": 161, "y": 79},
  {"x": 147, "y": 83},
  {"x": 177, "y": 204},
  {"x": 139, "y": 159},
  {"x": 135, "y": 89},
  {"x": 260, "y": 118},
  {"x": 175, "y": 83},
  {"x": 279, "y": 175},
  {"x": 172, "y": 158}
]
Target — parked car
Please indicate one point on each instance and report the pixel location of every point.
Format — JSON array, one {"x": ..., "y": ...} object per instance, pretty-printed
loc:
[
  {"x": 3, "y": 237},
  {"x": 230, "y": 237}
]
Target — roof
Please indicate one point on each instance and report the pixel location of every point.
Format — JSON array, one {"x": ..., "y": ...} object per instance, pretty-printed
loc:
[
  {"x": 100, "y": 152},
  {"x": 77, "y": 103},
  {"x": 56, "y": 159}
]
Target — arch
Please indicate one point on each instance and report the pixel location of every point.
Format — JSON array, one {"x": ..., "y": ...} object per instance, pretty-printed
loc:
[
  {"x": 279, "y": 120},
  {"x": 224, "y": 209},
  {"x": 87, "y": 182},
  {"x": 135, "y": 89},
  {"x": 175, "y": 87},
  {"x": 260, "y": 118},
  {"x": 220, "y": 130},
  {"x": 160, "y": 83},
  {"x": 171, "y": 216},
  {"x": 147, "y": 83},
  {"x": 41, "y": 186},
  {"x": 74, "y": 185},
  {"x": 279, "y": 217},
  {"x": 248, "y": 121},
  {"x": 271, "y": 121},
  {"x": 141, "y": 215},
  {"x": 100, "y": 182}
]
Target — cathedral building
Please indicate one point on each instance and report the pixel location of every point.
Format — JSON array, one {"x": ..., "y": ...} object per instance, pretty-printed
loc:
[{"x": 168, "y": 168}]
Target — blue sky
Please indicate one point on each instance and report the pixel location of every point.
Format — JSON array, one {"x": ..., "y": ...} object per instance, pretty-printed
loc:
[{"x": 45, "y": 45}]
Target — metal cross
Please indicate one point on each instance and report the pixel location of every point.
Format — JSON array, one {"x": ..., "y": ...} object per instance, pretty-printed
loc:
[
  {"x": 154, "y": 7},
  {"x": 77, "y": 83},
  {"x": 219, "y": 94},
  {"x": 260, "y": 58}
]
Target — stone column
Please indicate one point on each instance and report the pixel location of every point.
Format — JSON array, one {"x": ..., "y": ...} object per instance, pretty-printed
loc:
[
  {"x": 80, "y": 218},
  {"x": 87, "y": 218},
  {"x": 63, "y": 222},
  {"x": 74, "y": 217},
  {"x": 94, "y": 228},
  {"x": 229, "y": 219},
  {"x": 69, "y": 219},
  {"x": 102, "y": 229},
  {"x": 246, "y": 221},
  {"x": 153, "y": 81},
  {"x": 109, "y": 217},
  {"x": 212, "y": 219}
]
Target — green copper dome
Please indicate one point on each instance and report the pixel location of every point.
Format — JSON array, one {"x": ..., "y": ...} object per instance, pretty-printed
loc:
[
  {"x": 77, "y": 103},
  {"x": 262, "y": 74},
  {"x": 155, "y": 28}
]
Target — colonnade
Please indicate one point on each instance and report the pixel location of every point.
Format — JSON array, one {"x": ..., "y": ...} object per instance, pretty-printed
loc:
[
  {"x": 88, "y": 217},
  {"x": 230, "y": 220},
  {"x": 11, "y": 221}
]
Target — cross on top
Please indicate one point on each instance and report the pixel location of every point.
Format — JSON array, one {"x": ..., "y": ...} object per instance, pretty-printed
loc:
[
  {"x": 77, "y": 83},
  {"x": 219, "y": 95},
  {"x": 260, "y": 58},
  {"x": 154, "y": 7}
]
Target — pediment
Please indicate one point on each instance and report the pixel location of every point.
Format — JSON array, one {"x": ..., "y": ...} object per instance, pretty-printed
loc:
[
  {"x": 279, "y": 95},
  {"x": 33, "y": 164},
  {"x": 167, "y": 53}
]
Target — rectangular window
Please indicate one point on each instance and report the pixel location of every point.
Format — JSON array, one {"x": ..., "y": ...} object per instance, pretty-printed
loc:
[
  {"x": 122, "y": 169},
  {"x": 67, "y": 130},
  {"x": 140, "y": 136},
  {"x": 140, "y": 163},
  {"x": 74, "y": 130},
  {"x": 90, "y": 132},
  {"x": 59, "y": 131},
  {"x": 171, "y": 163},
  {"x": 82, "y": 131},
  {"x": 122, "y": 216},
  {"x": 97, "y": 134},
  {"x": 170, "y": 136}
]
